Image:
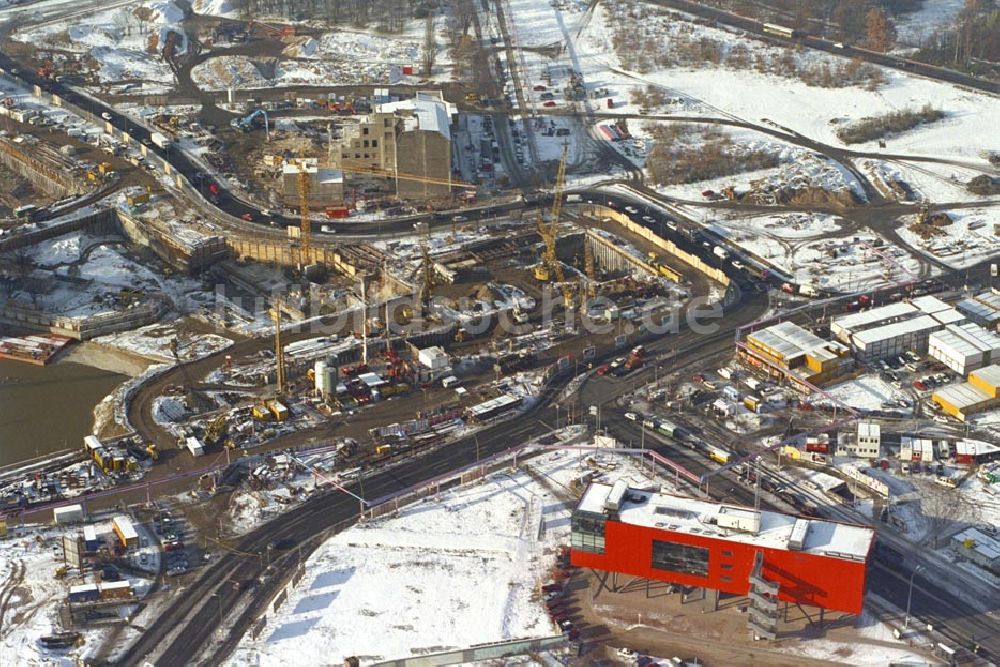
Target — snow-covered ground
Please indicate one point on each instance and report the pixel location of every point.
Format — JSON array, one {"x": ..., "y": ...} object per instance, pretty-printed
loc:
[
  {"x": 970, "y": 238},
  {"x": 154, "y": 342},
  {"x": 118, "y": 39},
  {"x": 809, "y": 248},
  {"x": 868, "y": 393},
  {"x": 29, "y": 557},
  {"x": 406, "y": 575},
  {"x": 789, "y": 103},
  {"x": 224, "y": 8},
  {"x": 107, "y": 271},
  {"x": 914, "y": 28}
]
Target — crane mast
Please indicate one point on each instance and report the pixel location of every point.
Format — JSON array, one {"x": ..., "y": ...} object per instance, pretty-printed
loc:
[{"x": 548, "y": 234}]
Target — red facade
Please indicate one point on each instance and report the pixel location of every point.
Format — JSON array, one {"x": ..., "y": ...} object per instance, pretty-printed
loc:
[{"x": 815, "y": 580}]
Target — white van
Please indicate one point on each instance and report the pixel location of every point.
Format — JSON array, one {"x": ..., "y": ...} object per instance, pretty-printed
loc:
[{"x": 449, "y": 381}]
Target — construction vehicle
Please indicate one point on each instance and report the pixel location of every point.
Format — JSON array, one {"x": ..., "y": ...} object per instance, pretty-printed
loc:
[
  {"x": 635, "y": 359},
  {"x": 261, "y": 413},
  {"x": 283, "y": 31},
  {"x": 61, "y": 571},
  {"x": 216, "y": 431},
  {"x": 550, "y": 262},
  {"x": 47, "y": 69},
  {"x": 248, "y": 123},
  {"x": 137, "y": 196},
  {"x": 105, "y": 168}
]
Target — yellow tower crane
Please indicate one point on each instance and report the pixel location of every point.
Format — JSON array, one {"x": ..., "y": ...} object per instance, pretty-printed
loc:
[{"x": 550, "y": 262}]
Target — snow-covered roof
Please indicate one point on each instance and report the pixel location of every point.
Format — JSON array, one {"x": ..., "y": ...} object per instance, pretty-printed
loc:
[
  {"x": 989, "y": 374},
  {"x": 680, "y": 514},
  {"x": 978, "y": 309},
  {"x": 961, "y": 395},
  {"x": 432, "y": 112},
  {"x": 949, "y": 316},
  {"x": 966, "y": 339},
  {"x": 791, "y": 341},
  {"x": 896, "y": 329},
  {"x": 983, "y": 544},
  {"x": 869, "y": 430},
  {"x": 874, "y": 316},
  {"x": 929, "y": 304},
  {"x": 975, "y": 447}
]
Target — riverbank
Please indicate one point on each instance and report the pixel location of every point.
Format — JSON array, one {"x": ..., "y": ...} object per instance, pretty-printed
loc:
[
  {"x": 106, "y": 358},
  {"x": 49, "y": 408}
]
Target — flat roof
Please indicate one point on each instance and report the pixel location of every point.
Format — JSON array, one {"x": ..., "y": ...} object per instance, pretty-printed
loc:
[
  {"x": 989, "y": 299},
  {"x": 989, "y": 374},
  {"x": 967, "y": 339},
  {"x": 985, "y": 545},
  {"x": 961, "y": 395},
  {"x": 694, "y": 516},
  {"x": 949, "y": 316},
  {"x": 869, "y": 430},
  {"x": 978, "y": 309},
  {"x": 791, "y": 341},
  {"x": 888, "y": 331},
  {"x": 874, "y": 316},
  {"x": 929, "y": 304},
  {"x": 975, "y": 447}
]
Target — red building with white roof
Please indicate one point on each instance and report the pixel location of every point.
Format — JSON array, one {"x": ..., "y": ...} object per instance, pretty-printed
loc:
[{"x": 694, "y": 542}]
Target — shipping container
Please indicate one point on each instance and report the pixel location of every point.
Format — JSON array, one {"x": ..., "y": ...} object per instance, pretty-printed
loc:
[
  {"x": 68, "y": 514},
  {"x": 125, "y": 531},
  {"x": 90, "y": 541},
  {"x": 84, "y": 593},
  {"x": 116, "y": 590}
]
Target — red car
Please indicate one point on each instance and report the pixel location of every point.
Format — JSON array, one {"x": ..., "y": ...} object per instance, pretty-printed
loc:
[
  {"x": 549, "y": 104},
  {"x": 247, "y": 217},
  {"x": 919, "y": 386},
  {"x": 603, "y": 370}
]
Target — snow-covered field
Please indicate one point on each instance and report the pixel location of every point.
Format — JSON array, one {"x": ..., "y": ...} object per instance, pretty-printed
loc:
[
  {"x": 935, "y": 15},
  {"x": 29, "y": 557},
  {"x": 154, "y": 342},
  {"x": 968, "y": 240},
  {"x": 408, "y": 576},
  {"x": 791, "y": 104},
  {"x": 868, "y": 393},
  {"x": 814, "y": 249},
  {"x": 118, "y": 39}
]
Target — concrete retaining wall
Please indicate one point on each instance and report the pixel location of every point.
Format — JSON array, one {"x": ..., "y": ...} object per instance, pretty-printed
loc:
[
  {"x": 100, "y": 222},
  {"x": 665, "y": 244}
]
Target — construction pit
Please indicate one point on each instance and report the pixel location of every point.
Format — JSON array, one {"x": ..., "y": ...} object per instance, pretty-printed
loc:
[{"x": 472, "y": 334}]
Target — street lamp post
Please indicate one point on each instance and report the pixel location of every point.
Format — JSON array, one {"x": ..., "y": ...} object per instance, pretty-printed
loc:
[{"x": 909, "y": 596}]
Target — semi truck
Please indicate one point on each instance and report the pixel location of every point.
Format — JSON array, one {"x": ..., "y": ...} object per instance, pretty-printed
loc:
[{"x": 160, "y": 140}]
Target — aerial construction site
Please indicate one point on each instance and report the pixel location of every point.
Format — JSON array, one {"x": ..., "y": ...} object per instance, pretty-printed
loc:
[{"x": 610, "y": 332}]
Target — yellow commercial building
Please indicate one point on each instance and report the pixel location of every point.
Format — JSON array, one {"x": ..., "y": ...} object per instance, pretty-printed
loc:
[
  {"x": 980, "y": 393},
  {"x": 787, "y": 351}
]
